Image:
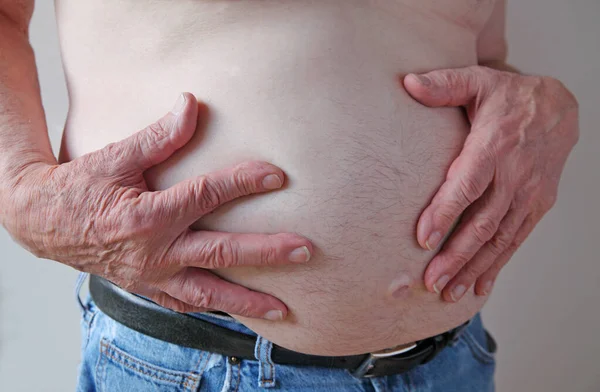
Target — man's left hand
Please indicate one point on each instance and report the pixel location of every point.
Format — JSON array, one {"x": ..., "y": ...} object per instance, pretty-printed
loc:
[{"x": 505, "y": 178}]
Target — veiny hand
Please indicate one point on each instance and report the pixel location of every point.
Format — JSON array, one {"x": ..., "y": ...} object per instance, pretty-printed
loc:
[
  {"x": 506, "y": 177},
  {"x": 96, "y": 214}
]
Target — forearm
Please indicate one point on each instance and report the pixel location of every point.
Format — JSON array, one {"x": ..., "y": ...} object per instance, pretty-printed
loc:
[{"x": 23, "y": 131}]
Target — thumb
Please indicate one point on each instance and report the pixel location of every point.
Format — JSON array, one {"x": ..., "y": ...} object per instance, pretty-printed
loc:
[
  {"x": 449, "y": 87},
  {"x": 158, "y": 141}
]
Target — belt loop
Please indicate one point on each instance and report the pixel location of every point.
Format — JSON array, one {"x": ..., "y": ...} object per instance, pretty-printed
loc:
[
  {"x": 266, "y": 367},
  {"x": 78, "y": 284}
]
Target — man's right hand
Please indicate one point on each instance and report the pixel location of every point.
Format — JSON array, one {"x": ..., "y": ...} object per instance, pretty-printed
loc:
[{"x": 97, "y": 215}]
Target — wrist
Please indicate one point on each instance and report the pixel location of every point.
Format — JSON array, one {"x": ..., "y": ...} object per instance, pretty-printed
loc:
[
  {"x": 23, "y": 202},
  {"x": 13, "y": 180},
  {"x": 13, "y": 171}
]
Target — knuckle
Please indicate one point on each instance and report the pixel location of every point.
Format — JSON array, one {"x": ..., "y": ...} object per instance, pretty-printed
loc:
[
  {"x": 458, "y": 260},
  {"x": 499, "y": 243},
  {"x": 516, "y": 244},
  {"x": 447, "y": 216},
  {"x": 484, "y": 228},
  {"x": 219, "y": 254},
  {"x": 101, "y": 162},
  {"x": 202, "y": 298},
  {"x": 151, "y": 139},
  {"x": 111, "y": 152},
  {"x": 469, "y": 189},
  {"x": 39, "y": 253},
  {"x": 550, "y": 201},
  {"x": 243, "y": 183},
  {"x": 155, "y": 132},
  {"x": 207, "y": 193},
  {"x": 450, "y": 79},
  {"x": 526, "y": 198},
  {"x": 551, "y": 84},
  {"x": 487, "y": 157},
  {"x": 135, "y": 224},
  {"x": 268, "y": 255}
]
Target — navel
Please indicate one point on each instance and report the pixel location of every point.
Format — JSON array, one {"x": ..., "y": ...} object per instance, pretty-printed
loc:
[{"x": 400, "y": 287}]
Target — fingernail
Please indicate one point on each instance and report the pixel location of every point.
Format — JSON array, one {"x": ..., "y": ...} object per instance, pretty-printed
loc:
[
  {"x": 272, "y": 181},
  {"x": 434, "y": 240},
  {"x": 425, "y": 81},
  {"x": 440, "y": 284},
  {"x": 179, "y": 105},
  {"x": 487, "y": 287},
  {"x": 274, "y": 315},
  {"x": 300, "y": 255},
  {"x": 458, "y": 292}
]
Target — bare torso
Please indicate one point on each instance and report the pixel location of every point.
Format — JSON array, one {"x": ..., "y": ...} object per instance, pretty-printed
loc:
[{"x": 312, "y": 87}]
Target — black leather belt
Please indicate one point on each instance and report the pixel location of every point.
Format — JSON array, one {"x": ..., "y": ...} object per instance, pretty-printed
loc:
[{"x": 181, "y": 329}]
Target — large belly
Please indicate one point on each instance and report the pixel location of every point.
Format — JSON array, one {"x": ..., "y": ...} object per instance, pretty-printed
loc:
[{"x": 315, "y": 91}]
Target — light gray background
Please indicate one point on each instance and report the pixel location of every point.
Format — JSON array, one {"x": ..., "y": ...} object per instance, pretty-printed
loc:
[{"x": 543, "y": 312}]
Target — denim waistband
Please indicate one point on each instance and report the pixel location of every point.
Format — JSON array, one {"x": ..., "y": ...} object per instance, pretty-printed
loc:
[{"x": 262, "y": 349}]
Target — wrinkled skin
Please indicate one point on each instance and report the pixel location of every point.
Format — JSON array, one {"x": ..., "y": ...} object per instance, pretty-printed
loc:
[
  {"x": 96, "y": 214},
  {"x": 506, "y": 177}
]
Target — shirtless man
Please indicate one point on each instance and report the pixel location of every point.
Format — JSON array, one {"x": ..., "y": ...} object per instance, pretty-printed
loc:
[{"x": 312, "y": 87}]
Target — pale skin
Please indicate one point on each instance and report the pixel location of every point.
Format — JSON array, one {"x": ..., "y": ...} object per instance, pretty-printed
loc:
[
  {"x": 94, "y": 213},
  {"x": 523, "y": 128},
  {"x": 506, "y": 177},
  {"x": 532, "y": 138}
]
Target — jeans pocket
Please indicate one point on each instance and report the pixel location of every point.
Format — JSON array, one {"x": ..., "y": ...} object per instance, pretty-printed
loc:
[
  {"x": 481, "y": 344},
  {"x": 117, "y": 369}
]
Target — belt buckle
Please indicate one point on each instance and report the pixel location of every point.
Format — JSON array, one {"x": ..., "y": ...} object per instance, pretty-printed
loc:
[{"x": 365, "y": 368}]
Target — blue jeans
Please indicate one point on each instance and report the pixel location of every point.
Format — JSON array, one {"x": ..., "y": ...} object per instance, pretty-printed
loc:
[{"x": 116, "y": 358}]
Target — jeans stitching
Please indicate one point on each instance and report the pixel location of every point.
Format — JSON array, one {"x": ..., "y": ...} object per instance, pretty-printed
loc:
[
  {"x": 192, "y": 378},
  {"x": 205, "y": 364},
  {"x": 88, "y": 328},
  {"x": 100, "y": 370},
  {"x": 202, "y": 353},
  {"x": 112, "y": 352},
  {"x": 478, "y": 351},
  {"x": 239, "y": 372}
]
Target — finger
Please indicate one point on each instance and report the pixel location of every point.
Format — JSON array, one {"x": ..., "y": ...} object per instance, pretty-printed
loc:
[
  {"x": 166, "y": 301},
  {"x": 192, "y": 199},
  {"x": 468, "y": 177},
  {"x": 486, "y": 281},
  {"x": 209, "y": 249},
  {"x": 202, "y": 289},
  {"x": 484, "y": 259},
  {"x": 450, "y": 87},
  {"x": 477, "y": 227},
  {"x": 158, "y": 141},
  {"x": 163, "y": 299}
]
